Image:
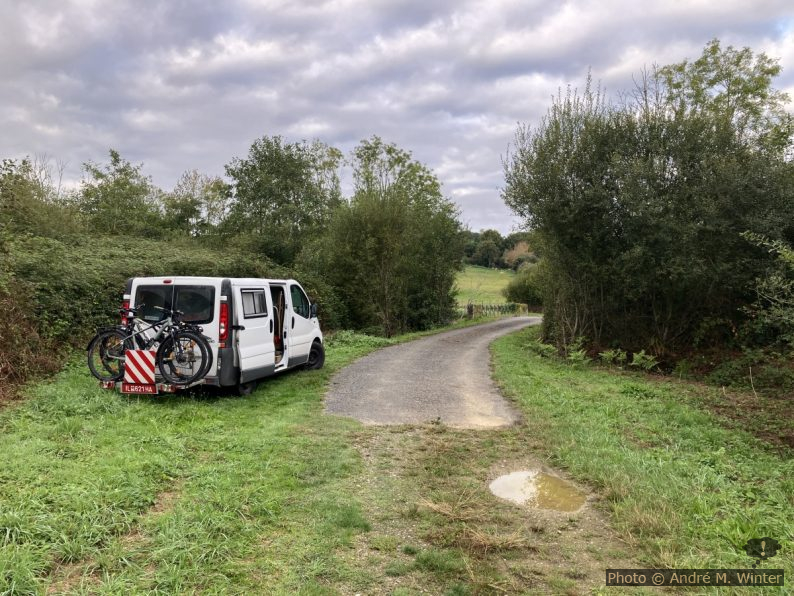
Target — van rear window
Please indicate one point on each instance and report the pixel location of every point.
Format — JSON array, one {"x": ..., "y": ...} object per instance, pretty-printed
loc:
[
  {"x": 151, "y": 297},
  {"x": 196, "y": 302}
]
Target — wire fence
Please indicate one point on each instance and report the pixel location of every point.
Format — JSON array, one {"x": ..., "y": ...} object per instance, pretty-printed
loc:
[{"x": 472, "y": 310}]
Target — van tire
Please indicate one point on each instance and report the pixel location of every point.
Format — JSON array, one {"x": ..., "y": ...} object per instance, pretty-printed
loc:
[
  {"x": 248, "y": 388},
  {"x": 316, "y": 356}
]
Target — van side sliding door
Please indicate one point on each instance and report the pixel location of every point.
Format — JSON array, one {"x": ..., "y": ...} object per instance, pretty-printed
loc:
[{"x": 254, "y": 330}]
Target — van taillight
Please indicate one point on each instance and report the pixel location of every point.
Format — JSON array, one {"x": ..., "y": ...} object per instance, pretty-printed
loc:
[
  {"x": 124, "y": 310},
  {"x": 223, "y": 325}
]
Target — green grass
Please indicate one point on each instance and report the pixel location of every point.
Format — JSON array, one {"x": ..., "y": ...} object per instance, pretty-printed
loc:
[
  {"x": 103, "y": 493},
  {"x": 482, "y": 285},
  {"x": 100, "y": 491},
  {"x": 685, "y": 488}
]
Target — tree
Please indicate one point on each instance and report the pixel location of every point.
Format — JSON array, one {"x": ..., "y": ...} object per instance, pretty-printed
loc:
[
  {"x": 197, "y": 205},
  {"x": 393, "y": 250},
  {"x": 517, "y": 255},
  {"x": 732, "y": 87},
  {"x": 492, "y": 236},
  {"x": 283, "y": 194},
  {"x": 471, "y": 241},
  {"x": 118, "y": 199},
  {"x": 487, "y": 254},
  {"x": 484, "y": 248},
  {"x": 32, "y": 202},
  {"x": 639, "y": 208}
]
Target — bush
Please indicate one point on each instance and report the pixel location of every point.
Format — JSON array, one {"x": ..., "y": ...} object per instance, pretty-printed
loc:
[
  {"x": 523, "y": 261},
  {"x": 526, "y": 287},
  {"x": 541, "y": 349},
  {"x": 615, "y": 356},
  {"x": 78, "y": 286},
  {"x": 23, "y": 352},
  {"x": 771, "y": 316},
  {"x": 643, "y": 361},
  {"x": 54, "y": 294}
]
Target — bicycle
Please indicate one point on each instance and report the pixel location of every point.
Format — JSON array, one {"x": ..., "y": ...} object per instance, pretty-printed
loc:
[{"x": 183, "y": 353}]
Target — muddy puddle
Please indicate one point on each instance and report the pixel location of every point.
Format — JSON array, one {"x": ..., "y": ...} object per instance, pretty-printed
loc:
[{"x": 538, "y": 489}]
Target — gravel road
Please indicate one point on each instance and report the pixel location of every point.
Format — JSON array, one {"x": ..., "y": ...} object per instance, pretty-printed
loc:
[{"x": 443, "y": 377}]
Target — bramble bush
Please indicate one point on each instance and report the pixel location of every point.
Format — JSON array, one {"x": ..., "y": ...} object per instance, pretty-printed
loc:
[{"x": 57, "y": 292}]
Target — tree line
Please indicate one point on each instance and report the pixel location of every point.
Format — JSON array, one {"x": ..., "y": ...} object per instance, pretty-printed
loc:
[
  {"x": 662, "y": 217},
  {"x": 488, "y": 248}
]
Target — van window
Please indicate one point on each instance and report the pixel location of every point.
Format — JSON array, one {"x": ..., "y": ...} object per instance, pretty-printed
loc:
[
  {"x": 150, "y": 297},
  {"x": 300, "y": 303},
  {"x": 197, "y": 302},
  {"x": 254, "y": 304}
]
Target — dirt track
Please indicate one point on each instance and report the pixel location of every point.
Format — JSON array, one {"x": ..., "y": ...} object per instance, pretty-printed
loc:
[{"x": 444, "y": 378}]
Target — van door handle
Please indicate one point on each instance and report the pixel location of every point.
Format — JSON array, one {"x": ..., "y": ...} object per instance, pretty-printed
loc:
[
  {"x": 238, "y": 327},
  {"x": 293, "y": 322},
  {"x": 271, "y": 325}
]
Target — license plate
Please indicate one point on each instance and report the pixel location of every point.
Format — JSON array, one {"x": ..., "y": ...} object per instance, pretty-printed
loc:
[{"x": 133, "y": 388}]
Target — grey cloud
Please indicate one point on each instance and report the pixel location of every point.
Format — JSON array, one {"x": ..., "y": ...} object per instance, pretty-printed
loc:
[{"x": 190, "y": 83}]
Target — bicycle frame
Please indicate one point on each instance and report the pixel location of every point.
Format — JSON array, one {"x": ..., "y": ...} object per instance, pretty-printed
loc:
[{"x": 136, "y": 331}]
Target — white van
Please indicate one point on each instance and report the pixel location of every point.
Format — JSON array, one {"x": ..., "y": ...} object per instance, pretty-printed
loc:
[{"x": 257, "y": 327}]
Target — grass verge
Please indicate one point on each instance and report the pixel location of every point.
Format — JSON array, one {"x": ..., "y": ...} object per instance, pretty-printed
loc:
[{"x": 685, "y": 487}]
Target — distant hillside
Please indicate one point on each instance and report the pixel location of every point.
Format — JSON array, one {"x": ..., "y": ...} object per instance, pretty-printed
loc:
[{"x": 482, "y": 285}]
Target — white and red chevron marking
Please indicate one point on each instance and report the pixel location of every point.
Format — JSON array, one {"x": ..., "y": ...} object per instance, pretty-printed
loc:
[{"x": 139, "y": 367}]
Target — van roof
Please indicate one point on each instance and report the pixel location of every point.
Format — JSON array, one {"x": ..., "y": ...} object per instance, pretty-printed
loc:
[{"x": 193, "y": 279}]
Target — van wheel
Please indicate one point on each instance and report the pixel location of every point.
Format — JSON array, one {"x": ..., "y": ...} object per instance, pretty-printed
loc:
[
  {"x": 316, "y": 356},
  {"x": 246, "y": 388}
]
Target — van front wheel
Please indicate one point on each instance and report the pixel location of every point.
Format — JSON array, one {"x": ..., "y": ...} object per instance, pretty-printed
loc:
[
  {"x": 316, "y": 356},
  {"x": 246, "y": 388}
]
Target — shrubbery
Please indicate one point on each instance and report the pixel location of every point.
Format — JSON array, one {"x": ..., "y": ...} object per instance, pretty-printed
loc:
[
  {"x": 640, "y": 207},
  {"x": 57, "y": 292},
  {"x": 527, "y": 286}
]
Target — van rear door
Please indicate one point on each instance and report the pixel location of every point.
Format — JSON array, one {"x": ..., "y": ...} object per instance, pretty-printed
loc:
[
  {"x": 197, "y": 298},
  {"x": 254, "y": 331}
]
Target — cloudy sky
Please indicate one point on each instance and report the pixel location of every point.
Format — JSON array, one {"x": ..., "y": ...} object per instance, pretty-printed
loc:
[{"x": 183, "y": 84}]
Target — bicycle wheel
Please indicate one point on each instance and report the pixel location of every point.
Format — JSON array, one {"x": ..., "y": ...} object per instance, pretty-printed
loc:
[
  {"x": 182, "y": 358},
  {"x": 106, "y": 355},
  {"x": 208, "y": 361}
]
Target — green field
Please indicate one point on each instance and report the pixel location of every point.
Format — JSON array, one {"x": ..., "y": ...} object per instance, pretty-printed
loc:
[{"x": 482, "y": 285}]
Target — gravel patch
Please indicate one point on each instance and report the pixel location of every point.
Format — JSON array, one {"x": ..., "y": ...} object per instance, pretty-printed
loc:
[{"x": 443, "y": 378}]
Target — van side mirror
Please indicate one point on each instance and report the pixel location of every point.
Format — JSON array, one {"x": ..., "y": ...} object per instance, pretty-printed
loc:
[{"x": 313, "y": 310}]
